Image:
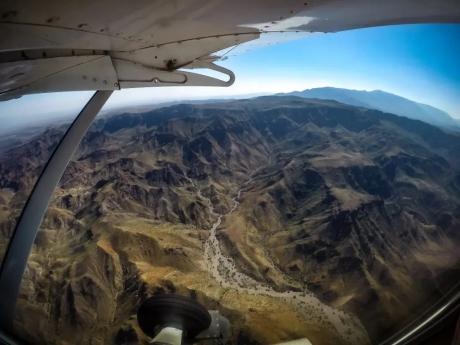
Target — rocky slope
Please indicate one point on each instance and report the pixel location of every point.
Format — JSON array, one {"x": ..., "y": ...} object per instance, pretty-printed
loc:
[{"x": 358, "y": 207}]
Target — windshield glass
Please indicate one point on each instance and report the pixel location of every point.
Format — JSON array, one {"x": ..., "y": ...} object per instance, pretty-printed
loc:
[{"x": 318, "y": 197}]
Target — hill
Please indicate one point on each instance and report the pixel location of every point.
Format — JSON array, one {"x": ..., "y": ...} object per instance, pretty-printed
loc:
[{"x": 293, "y": 217}]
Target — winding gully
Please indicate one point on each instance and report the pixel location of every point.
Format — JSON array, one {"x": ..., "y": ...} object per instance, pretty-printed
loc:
[{"x": 225, "y": 272}]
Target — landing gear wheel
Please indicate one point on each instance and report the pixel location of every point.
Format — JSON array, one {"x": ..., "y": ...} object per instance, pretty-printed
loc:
[{"x": 171, "y": 310}]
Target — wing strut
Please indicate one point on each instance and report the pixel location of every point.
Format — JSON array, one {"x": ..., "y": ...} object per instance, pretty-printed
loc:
[{"x": 22, "y": 239}]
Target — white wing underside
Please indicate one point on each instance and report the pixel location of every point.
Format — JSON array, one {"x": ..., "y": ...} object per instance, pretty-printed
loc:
[{"x": 55, "y": 45}]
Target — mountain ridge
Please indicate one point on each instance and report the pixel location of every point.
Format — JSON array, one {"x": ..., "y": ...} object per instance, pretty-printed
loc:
[{"x": 383, "y": 101}]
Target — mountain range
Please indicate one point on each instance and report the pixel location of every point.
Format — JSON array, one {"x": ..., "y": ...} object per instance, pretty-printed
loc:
[
  {"x": 383, "y": 101},
  {"x": 293, "y": 217}
]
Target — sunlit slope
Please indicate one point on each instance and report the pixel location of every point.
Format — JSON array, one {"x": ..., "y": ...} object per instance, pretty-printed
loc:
[{"x": 354, "y": 207}]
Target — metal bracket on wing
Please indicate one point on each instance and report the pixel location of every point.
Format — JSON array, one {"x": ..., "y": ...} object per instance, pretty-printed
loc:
[
  {"x": 131, "y": 75},
  {"x": 208, "y": 63}
]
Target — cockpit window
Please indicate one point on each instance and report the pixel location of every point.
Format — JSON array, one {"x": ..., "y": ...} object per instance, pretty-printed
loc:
[{"x": 318, "y": 197}]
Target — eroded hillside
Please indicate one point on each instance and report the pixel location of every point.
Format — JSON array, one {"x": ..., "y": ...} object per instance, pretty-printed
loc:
[{"x": 292, "y": 217}]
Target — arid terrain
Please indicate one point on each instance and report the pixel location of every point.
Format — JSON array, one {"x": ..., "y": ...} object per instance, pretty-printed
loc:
[{"x": 292, "y": 217}]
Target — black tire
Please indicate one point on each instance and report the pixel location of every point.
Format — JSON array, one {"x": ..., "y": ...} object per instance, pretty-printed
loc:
[{"x": 173, "y": 310}]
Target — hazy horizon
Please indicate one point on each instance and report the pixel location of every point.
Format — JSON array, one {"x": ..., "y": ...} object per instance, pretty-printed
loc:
[
  {"x": 114, "y": 105},
  {"x": 417, "y": 62}
]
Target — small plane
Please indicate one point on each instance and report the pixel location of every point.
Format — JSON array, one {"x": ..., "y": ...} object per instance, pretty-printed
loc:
[{"x": 108, "y": 45}]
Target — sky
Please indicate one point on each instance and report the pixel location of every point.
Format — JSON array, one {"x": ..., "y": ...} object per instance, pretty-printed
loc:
[{"x": 419, "y": 62}]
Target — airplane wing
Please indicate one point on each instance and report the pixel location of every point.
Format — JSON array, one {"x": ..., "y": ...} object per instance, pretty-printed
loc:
[{"x": 55, "y": 45}]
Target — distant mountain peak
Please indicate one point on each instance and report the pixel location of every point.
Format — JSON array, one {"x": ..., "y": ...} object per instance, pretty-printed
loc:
[{"x": 383, "y": 101}]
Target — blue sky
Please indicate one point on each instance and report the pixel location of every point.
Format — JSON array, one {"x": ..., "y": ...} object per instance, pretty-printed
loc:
[{"x": 419, "y": 62}]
